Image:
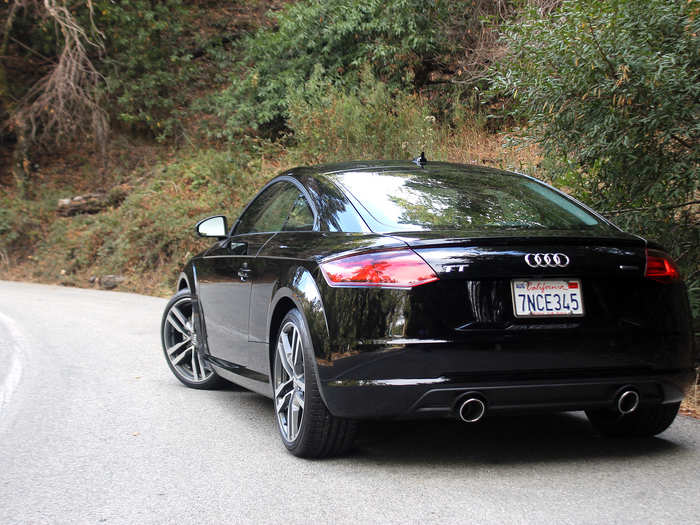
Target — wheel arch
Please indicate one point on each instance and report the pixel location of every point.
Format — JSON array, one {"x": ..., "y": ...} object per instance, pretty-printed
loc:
[
  {"x": 187, "y": 280},
  {"x": 183, "y": 282},
  {"x": 302, "y": 293}
]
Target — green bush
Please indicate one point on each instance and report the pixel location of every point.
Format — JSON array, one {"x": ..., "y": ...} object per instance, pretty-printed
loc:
[
  {"x": 611, "y": 90},
  {"x": 147, "y": 61},
  {"x": 22, "y": 222},
  {"x": 402, "y": 39},
  {"x": 149, "y": 235},
  {"x": 370, "y": 121}
]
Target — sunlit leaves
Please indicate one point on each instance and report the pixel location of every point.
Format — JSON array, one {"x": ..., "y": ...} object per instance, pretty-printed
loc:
[
  {"x": 611, "y": 90},
  {"x": 397, "y": 38}
]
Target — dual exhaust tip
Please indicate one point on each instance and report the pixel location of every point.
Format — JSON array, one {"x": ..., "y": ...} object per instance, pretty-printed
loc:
[
  {"x": 627, "y": 401},
  {"x": 472, "y": 409}
]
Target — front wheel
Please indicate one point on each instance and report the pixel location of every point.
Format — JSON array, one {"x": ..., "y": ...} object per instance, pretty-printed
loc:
[
  {"x": 306, "y": 426},
  {"x": 646, "y": 421},
  {"x": 181, "y": 346}
]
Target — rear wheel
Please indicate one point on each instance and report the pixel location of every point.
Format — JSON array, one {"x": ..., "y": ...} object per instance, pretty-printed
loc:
[
  {"x": 306, "y": 426},
  {"x": 181, "y": 347},
  {"x": 644, "y": 422}
]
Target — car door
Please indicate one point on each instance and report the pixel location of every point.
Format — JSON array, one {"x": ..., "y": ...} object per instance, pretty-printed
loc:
[
  {"x": 274, "y": 260},
  {"x": 227, "y": 271}
]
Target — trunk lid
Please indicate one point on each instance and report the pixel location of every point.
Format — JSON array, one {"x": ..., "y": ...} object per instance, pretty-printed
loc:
[
  {"x": 474, "y": 299},
  {"x": 504, "y": 254}
]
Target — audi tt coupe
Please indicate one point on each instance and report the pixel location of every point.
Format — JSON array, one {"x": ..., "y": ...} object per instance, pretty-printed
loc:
[{"x": 422, "y": 290}]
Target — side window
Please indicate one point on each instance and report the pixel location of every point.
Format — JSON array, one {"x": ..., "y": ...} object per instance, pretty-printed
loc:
[
  {"x": 269, "y": 210},
  {"x": 301, "y": 218}
]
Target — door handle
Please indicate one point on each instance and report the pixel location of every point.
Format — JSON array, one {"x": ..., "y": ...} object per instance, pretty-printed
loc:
[
  {"x": 243, "y": 273},
  {"x": 237, "y": 247}
]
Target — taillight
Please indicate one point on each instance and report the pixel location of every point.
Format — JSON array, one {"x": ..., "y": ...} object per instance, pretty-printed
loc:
[
  {"x": 661, "y": 267},
  {"x": 394, "y": 269}
]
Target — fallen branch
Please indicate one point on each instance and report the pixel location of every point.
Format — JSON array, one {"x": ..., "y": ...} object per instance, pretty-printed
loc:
[
  {"x": 68, "y": 97},
  {"x": 88, "y": 203}
]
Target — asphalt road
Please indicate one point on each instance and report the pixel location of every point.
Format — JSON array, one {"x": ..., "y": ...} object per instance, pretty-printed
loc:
[{"x": 95, "y": 429}]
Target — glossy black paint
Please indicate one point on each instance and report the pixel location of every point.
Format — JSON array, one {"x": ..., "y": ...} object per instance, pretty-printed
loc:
[{"x": 412, "y": 352}]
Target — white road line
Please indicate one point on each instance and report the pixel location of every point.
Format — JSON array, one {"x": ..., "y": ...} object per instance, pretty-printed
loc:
[{"x": 9, "y": 383}]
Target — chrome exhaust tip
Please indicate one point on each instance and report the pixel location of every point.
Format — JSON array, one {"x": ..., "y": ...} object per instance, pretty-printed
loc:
[
  {"x": 627, "y": 401},
  {"x": 472, "y": 410}
]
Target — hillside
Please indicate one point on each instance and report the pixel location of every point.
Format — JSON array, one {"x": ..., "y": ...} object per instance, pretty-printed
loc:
[
  {"x": 172, "y": 161},
  {"x": 172, "y": 110},
  {"x": 168, "y": 111}
]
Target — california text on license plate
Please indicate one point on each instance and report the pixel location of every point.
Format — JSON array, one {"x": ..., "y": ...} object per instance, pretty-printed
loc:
[{"x": 547, "y": 298}]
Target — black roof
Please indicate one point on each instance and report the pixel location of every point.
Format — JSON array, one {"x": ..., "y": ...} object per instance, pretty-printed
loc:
[
  {"x": 391, "y": 165},
  {"x": 326, "y": 171}
]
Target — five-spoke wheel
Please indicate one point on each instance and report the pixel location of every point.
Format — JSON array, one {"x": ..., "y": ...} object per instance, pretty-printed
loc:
[
  {"x": 289, "y": 381},
  {"x": 306, "y": 426},
  {"x": 181, "y": 346}
]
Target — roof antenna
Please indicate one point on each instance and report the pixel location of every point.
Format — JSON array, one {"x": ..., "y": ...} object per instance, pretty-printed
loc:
[{"x": 421, "y": 161}]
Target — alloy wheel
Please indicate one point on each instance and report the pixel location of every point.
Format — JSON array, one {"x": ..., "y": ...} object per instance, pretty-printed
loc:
[
  {"x": 289, "y": 381},
  {"x": 181, "y": 346}
]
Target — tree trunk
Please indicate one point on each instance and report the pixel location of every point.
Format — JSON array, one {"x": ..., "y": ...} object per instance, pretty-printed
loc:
[{"x": 20, "y": 157}]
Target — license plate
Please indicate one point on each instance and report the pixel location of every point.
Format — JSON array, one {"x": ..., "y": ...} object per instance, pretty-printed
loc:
[{"x": 547, "y": 298}]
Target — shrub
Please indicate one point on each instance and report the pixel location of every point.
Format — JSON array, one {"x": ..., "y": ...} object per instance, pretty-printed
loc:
[
  {"x": 149, "y": 235},
  {"x": 128, "y": 59},
  {"x": 21, "y": 223},
  {"x": 400, "y": 38},
  {"x": 153, "y": 227},
  {"x": 370, "y": 121},
  {"x": 147, "y": 61},
  {"x": 611, "y": 90}
]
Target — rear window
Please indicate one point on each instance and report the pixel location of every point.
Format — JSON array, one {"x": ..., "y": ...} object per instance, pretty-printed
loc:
[{"x": 461, "y": 199}]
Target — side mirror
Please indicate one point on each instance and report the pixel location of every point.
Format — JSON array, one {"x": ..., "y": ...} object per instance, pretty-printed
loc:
[{"x": 215, "y": 226}]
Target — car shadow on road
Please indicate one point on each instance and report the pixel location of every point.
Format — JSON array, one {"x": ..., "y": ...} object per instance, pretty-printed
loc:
[{"x": 500, "y": 439}]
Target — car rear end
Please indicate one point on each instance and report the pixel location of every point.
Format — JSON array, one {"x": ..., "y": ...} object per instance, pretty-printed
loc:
[{"x": 544, "y": 309}]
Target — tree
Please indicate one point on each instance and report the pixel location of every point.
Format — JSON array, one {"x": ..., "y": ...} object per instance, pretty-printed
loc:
[
  {"x": 68, "y": 67},
  {"x": 611, "y": 90},
  {"x": 401, "y": 40},
  {"x": 66, "y": 98}
]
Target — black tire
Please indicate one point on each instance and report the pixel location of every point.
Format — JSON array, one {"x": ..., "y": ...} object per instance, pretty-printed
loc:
[
  {"x": 168, "y": 337},
  {"x": 320, "y": 434},
  {"x": 646, "y": 421}
]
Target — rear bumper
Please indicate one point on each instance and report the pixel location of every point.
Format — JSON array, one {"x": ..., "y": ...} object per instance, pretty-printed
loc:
[{"x": 437, "y": 397}]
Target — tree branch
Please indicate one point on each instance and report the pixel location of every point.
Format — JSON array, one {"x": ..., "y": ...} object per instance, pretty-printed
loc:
[
  {"x": 600, "y": 49},
  {"x": 662, "y": 207},
  {"x": 32, "y": 51},
  {"x": 68, "y": 97},
  {"x": 681, "y": 141}
]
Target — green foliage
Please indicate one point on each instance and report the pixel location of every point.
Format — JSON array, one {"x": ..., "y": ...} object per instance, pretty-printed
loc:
[
  {"x": 401, "y": 39},
  {"x": 21, "y": 222},
  {"x": 147, "y": 61},
  {"x": 369, "y": 121},
  {"x": 611, "y": 90},
  {"x": 149, "y": 234}
]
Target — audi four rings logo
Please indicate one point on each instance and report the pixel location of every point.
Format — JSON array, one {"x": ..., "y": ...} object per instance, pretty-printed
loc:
[{"x": 547, "y": 260}]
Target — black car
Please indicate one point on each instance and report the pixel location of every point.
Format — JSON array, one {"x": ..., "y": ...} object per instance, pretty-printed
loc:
[{"x": 425, "y": 289}]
